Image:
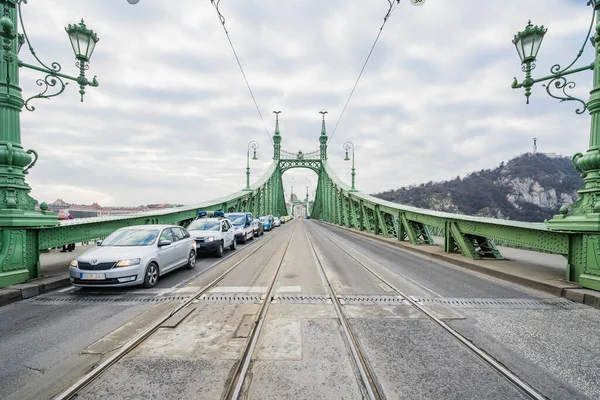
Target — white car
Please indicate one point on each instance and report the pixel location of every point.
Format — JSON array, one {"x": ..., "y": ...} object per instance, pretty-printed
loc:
[
  {"x": 213, "y": 235},
  {"x": 136, "y": 255},
  {"x": 242, "y": 224}
]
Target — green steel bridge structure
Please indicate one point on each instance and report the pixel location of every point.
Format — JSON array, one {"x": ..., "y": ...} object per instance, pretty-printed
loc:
[{"x": 26, "y": 230}]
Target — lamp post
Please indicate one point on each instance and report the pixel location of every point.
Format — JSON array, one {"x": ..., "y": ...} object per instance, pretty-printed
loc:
[
  {"x": 348, "y": 146},
  {"x": 585, "y": 214},
  {"x": 17, "y": 207},
  {"x": 254, "y": 145},
  {"x": 18, "y": 213}
]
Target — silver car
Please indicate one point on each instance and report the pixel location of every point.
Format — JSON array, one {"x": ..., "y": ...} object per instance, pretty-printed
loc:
[{"x": 136, "y": 255}]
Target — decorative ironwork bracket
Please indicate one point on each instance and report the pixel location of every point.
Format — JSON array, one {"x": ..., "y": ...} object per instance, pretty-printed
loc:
[{"x": 557, "y": 80}]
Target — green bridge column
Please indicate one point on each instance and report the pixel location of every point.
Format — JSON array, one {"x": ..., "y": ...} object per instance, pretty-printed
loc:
[
  {"x": 19, "y": 252},
  {"x": 584, "y": 252}
]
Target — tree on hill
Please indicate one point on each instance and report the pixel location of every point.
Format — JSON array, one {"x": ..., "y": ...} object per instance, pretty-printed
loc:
[{"x": 530, "y": 187}]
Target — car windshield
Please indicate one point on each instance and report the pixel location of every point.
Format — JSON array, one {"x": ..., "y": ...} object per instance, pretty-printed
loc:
[
  {"x": 131, "y": 237},
  {"x": 203, "y": 225},
  {"x": 237, "y": 219}
]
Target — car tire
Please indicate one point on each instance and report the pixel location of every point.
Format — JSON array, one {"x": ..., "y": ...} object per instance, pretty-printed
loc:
[
  {"x": 233, "y": 244},
  {"x": 191, "y": 264},
  {"x": 244, "y": 238},
  {"x": 252, "y": 236},
  {"x": 151, "y": 275},
  {"x": 220, "y": 250}
]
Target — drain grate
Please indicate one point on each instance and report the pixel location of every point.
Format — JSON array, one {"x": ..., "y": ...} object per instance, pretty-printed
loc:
[
  {"x": 301, "y": 299},
  {"x": 558, "y": 303},
  {"x": 364, "y": 300},
  {"x": 240, "y": 298},
  {"x": 93, "y": 300}
]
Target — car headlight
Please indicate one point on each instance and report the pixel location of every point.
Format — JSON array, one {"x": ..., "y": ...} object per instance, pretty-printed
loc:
[
  {"x": 128, "y": 263},
  {"x": 74, "y": 264},
  {"x": 209, "y": 239}
]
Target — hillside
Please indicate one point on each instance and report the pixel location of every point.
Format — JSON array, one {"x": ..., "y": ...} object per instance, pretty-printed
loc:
[{"x": 531, "y": 187}]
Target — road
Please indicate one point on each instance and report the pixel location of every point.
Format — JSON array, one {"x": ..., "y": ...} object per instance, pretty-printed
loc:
[{"x": 301, "y": 348}]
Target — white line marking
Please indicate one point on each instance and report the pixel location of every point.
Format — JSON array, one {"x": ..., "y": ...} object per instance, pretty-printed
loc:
[
  {"x": 69, "y": 289},
  {"x": 289, "y": 289},
  {"x": 239, "y": 289}
]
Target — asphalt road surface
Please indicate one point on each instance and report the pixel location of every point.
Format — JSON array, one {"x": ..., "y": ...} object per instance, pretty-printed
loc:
[{"x": 302, "y": 350}]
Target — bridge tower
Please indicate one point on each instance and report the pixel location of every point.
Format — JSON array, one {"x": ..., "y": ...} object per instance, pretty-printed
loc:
[
  {"x": 323, "y": 139},
  {"x": 276, "y": 138}
]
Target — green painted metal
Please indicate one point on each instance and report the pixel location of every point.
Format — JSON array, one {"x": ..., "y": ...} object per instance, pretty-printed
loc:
[{"x": 25, "y": 231}]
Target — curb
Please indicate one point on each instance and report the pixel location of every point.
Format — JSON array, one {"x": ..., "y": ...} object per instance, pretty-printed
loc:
[
  {"x": 566, "y": 289},
  {"x": 32, "y": 288}
]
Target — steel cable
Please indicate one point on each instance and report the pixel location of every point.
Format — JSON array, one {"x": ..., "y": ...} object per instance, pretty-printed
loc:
[
  {"x": 222, "y": 19},
  {"x": 387, "y": 16}
]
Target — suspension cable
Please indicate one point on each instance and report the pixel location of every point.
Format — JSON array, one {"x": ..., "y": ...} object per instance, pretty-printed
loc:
[
  {"x": 389, "y": 13},
  {"x": 222, "y": 19}
]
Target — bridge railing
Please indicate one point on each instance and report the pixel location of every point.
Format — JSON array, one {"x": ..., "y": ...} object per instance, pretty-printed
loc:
[
  {"x": 257, "y": 200},
  {"x": 474, "y": 237}
]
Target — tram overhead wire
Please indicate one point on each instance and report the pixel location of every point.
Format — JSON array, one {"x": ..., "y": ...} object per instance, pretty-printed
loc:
[
  {"x": 222, "y": 19},
  {"x": 393, "y": 4}
]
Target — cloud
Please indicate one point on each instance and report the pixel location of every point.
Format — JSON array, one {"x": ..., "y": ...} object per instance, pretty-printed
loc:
[{"x": 172, "y": 116}]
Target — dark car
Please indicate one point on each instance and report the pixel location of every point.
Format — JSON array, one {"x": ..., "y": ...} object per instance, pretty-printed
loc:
[{"x": 258, "y": 227}]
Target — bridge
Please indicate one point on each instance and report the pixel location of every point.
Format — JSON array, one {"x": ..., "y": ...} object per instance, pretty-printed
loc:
[{"x": 367, "y": 299}]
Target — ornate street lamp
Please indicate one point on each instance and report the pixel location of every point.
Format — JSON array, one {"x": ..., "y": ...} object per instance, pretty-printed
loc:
[
  {"x": 17, "y": 208},
  {"x": 254, "y": 145},
  {"x": 586, "y": 211},
  {"x": 348, "y": 146}
]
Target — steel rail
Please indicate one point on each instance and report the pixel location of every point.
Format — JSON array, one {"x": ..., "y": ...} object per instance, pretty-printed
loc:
[
  {"x": 367, "y": 376},
  {"x": 239, "y": 376},
  {"x": 136, "y": 341},
  {"x": 482, "y": 354}
]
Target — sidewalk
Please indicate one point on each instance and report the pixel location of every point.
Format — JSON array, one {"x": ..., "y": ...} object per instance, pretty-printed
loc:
[
  {"x": 54, "y": 267},
  {"x": 541, "y": 271}
]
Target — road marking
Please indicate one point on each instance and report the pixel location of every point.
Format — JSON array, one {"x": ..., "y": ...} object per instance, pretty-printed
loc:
[
  {"x": 69, "y": 289},
  {"x": 289, "y": 289},
  {"x": 254, "y": 289},
  {"x": 239, "y": 289}
]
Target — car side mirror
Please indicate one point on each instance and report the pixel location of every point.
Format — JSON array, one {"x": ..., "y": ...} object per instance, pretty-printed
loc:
[
  {"x": 98, "y": 242},
  {"x": 164, "y": 243}
]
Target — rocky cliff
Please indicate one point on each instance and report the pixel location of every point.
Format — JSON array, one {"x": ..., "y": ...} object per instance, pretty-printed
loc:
[{"x": 531, "y": 187}]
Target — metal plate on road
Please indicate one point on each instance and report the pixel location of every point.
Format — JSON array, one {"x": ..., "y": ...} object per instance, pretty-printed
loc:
[
  {"x": 551, "y": 303},
  {"x": 92, "y": 277}
]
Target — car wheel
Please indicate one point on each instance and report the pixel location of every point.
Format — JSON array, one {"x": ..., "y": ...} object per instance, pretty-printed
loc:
[
  {"x": 151, "y": 277},
  {"x": 252, "y": 236},
  {"x": 233, "y": 244},
  {"x": 244, "y": 238},
  {"x": 191, "y": 260},
  {"x": 220, "y": 250}
]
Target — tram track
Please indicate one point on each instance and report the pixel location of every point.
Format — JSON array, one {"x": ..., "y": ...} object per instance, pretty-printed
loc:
[
  {"x": 72, "y": 391},
  {"x": 369, "y": 383},
  {"x": 237, "y": 381},
  {"x": 521, "y": 385}
]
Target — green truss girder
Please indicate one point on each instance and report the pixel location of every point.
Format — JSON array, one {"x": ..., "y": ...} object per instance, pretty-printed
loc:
[
  {"x": 474, "y": 237},
  {"x": 266, "y": 197}
]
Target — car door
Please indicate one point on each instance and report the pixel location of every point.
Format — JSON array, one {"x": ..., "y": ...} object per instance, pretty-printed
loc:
[
  {"x": 228, "y": 234},
  {"x": 167, "y": 255},
  {"x": 181, "y": 244}
]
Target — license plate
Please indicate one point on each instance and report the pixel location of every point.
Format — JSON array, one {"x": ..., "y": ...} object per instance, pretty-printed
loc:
[{"x": 92, "y": 276}]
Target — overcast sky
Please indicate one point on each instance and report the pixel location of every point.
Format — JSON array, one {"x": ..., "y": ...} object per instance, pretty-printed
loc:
[{"x": 172, "y": 117}]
